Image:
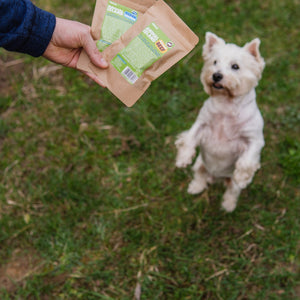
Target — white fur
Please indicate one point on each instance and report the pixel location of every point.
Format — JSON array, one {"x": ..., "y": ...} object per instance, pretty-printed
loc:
[{"x": 229, "y": 127}]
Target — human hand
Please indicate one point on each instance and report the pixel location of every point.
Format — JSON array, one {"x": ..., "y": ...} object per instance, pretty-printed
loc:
[{"x": 68, "y": 40}]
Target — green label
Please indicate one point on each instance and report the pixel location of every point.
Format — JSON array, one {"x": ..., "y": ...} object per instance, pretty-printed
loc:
[
  {"x": 141, "y": 53},
  {"x": 117, "y": 20}
]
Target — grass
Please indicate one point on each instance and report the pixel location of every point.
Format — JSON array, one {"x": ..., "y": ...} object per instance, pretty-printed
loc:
[{"x": 92, "y": 206}]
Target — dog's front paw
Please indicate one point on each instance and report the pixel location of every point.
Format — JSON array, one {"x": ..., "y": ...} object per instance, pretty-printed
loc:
[
  {"x": 242, "y": 177},
  {"x": 243, "y": 174},
  {"x": 185, "y": 152},
  {"x": 183, "y": 160}
]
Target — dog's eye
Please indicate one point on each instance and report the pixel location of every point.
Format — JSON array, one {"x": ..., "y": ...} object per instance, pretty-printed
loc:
[
  {"x": 215, "y": 62},
  {"x": 235, "y": 67}
]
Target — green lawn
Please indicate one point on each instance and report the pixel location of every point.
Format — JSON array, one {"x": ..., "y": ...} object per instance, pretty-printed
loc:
[{"x": 91, "y": 204}]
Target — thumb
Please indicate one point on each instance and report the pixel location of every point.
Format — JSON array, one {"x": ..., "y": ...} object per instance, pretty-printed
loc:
[{"x": 94, "y": 54}]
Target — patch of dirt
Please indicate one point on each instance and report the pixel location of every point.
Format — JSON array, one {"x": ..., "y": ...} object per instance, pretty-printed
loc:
[
  {"x": 9, "y": 67},
  {"x": 21, "y": 265}
]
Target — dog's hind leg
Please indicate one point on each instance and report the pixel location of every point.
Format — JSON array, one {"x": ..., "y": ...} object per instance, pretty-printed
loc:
[
  {"x": 199, "y": 182},
  {"x": 231, "y": 195}
]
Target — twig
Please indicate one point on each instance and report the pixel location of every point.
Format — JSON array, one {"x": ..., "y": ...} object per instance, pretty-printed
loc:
[
  {"x": 19, "y": 232},
  {"x": 216, "y": 274},
  {"x": 11, "y": 63},
  {"x": 34, "y": 270},
  {"x": 245, "y": 234},
  {"x": 117, "y": 211}
]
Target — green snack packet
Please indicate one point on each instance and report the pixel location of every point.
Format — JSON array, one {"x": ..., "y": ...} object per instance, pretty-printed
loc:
[
  {"x": 152, "y": 45},
  {"x": 111, "y": 20},
  {"x": 117, "y": 20},
  {"x": 144, "y": 50}
]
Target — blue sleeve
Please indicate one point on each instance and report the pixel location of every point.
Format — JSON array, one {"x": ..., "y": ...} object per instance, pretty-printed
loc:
[{"x": 24, "y": 27}]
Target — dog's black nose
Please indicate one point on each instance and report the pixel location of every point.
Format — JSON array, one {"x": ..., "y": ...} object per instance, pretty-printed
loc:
[{"x": 217, "y": 77}]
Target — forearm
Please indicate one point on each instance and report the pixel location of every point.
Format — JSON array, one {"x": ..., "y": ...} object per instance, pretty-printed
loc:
[{"x": 24, "y": 27}]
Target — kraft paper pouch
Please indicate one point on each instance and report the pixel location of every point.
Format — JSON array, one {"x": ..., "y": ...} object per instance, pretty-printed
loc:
[
  {"x": 146, "y": 50},
  {"x": 111, "y": 19}
]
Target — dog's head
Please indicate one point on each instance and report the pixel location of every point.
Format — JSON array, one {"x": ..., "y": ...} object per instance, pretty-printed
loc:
[{"x": 228, "y": 69}]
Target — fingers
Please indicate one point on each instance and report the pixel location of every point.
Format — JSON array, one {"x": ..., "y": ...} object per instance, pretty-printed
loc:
[
  {"x": 68, "y": 39},
  {"x": 92, "y": 51}
]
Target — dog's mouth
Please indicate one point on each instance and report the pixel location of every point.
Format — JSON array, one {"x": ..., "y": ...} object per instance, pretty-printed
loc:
[{"x": 218, "y": 86}]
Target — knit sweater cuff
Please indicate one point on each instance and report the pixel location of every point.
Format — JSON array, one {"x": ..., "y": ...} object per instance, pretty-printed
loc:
[
  {"x": 43, "y": 26},
  {"x": 24, "y": 27}
]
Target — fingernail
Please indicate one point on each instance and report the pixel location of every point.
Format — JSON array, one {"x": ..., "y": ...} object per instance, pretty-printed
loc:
[{"x": 103, "y": 63}]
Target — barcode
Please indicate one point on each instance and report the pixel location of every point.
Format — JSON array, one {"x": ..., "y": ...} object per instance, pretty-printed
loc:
[{"x": 130, "y": 75}]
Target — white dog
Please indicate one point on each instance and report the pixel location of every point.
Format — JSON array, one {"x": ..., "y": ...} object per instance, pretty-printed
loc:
[{"x": 229, "y": 127}]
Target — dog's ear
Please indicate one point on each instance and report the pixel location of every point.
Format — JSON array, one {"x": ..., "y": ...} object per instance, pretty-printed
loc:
[
  {"x": 253, "y": 48},
  {"x": 210, "y": 41}
]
